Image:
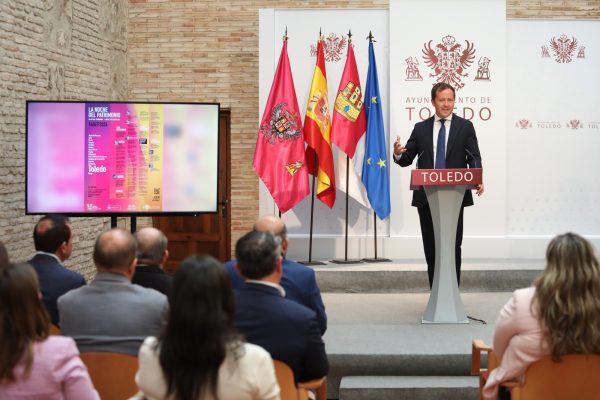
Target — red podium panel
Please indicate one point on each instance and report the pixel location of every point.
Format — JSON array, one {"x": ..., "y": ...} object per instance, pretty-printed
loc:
[{"x": 443, "y": 177}]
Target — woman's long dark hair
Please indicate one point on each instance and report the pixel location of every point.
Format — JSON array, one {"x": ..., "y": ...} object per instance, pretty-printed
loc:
[
  {"x": 23, "y": 318},
  {"x": 199, "y": 329}
]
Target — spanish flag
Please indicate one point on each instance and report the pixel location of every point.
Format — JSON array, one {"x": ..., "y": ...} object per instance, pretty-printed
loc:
[{"x": 317, "y": 127}]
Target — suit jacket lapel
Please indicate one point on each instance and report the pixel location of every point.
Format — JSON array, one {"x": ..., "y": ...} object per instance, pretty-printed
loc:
[
  {"x": 454, "y": 128},
  {"x": 428, "y": 141}
]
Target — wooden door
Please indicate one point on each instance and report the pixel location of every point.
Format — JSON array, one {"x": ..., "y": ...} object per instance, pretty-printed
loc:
[{"x": 205, "y": 233}]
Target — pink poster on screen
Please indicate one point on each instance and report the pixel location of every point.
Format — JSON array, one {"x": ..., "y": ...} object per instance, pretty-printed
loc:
[{"x": 122, "y": 157}]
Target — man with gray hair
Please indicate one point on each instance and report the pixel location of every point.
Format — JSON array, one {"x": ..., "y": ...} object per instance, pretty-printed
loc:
[
  {"x": 288, "y": 330},
  {"x": 152, "y": 254},
  {"x": 111, "y": 314}
]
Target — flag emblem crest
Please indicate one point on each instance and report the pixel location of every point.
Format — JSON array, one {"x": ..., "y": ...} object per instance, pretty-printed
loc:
[
  {"x": 349, "y": 101},
  {"x": 319, "y": 107},
  {"x": 294, "y": 167},
  {"x": 283, "y": 125}
]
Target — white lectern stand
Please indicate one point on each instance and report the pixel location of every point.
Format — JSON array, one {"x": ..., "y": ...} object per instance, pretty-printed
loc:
[{"x": 445, "y": 190}]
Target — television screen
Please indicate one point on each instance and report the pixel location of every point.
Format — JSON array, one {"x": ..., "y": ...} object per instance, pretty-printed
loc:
[{"x": 121, "y": 158}]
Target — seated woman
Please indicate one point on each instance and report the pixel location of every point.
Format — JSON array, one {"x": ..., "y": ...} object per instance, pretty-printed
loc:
[
  {"x": 200, "y": 355},
  {"x": 33, "y": 364},
  {"x": 559, "y": 315}
]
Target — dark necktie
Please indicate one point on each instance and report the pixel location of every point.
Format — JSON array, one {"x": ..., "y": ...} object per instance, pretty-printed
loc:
[{"x": 440, "y": 152}]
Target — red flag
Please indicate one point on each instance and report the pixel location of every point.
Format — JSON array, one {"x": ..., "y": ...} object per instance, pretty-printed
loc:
[
  {"x": 317, "y": 127},
  {"x": 349, "y": 121},
  {"x": 279, "y": 152}
]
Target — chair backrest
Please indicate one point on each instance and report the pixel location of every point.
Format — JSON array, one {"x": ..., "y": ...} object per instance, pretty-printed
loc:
[
  {"x": 113, "y": 374},
  {"x": 290, "y": 391},
  {"x": 285, "y": 378},
  {"x": 577, "y": 376}
]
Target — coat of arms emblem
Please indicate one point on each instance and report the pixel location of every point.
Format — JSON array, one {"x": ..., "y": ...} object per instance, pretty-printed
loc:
[
  {"x": 523, "y": 124},
  {"x": 333, "y": 46},
  {"x": 575, "y": 124},
  {"x": 449, "y": 60},
  {"x": 563, "y": 48},
  {"x": 283, "y": 125}
]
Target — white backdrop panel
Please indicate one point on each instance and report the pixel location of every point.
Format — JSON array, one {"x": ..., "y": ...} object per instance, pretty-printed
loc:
[
  {"x": 482, "y": 25},
  {"x": 554, "y": 128}
]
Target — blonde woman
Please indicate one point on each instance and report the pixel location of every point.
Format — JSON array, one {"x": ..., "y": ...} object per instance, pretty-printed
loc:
[{"x": 559, "y": 315}]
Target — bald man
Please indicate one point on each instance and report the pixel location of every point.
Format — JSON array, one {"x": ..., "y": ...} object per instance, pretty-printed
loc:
[
  {"x": 152, "y": 254},
  {"x": 298, "y": 281},
  {"x": 112, "y": 314},
  {"x": 53, "y": 242}
]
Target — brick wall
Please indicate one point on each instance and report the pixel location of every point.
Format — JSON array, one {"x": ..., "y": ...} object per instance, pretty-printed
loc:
[
  {"x": 53, "y": 50},
  {"x": 148, "y": 50}
]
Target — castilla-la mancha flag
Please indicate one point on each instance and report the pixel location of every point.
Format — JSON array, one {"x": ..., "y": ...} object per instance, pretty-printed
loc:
[
  {"x": 317, "y": 127},
  {"x": 347, "y": 131},
  {"x": 349, "y": 121},
  {"x": 279, "y": 152}
]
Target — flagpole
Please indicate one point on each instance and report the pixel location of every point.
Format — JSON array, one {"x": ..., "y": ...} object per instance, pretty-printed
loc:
[
  {"x": 346, "y": 260},
  {"x": 376, "y": 259},
  {"x": 312, "y": 202},
  {"x": 312, "y": 213}
]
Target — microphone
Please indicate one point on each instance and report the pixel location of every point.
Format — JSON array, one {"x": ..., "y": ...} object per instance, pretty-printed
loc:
[
  {"x": 473, "y": 157},
  {"x": 419, "y": 158}
]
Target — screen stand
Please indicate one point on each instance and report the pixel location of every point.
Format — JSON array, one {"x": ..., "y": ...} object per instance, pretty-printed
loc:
[{"x": 113, "y": 222}]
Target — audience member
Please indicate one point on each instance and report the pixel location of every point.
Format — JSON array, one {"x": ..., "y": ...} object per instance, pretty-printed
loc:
[
  {"x": 200, "y": 355},
  {"x": 33, "y": 364},
  {"x": 152, "y": 254},
  {"x": 287, "y": 330},
  {"x": 558, "y": 315},
  {"x": 298, "y": 280},
  {"x": 53, "y": 241},
  {"x": 112, "y": 314},
  {"x": 3, "y": 254}
]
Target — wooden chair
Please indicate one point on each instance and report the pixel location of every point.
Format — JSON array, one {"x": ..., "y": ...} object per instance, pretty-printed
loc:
[
  {"x": 576, "y": 376},
  {"x": 477, "y": 349},
  {"x": 113, "y": 374},
  {"x": 288, "y": 388}
]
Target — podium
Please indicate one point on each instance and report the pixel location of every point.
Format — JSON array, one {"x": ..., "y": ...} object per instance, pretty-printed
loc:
[{"x": 445, "y": 190}]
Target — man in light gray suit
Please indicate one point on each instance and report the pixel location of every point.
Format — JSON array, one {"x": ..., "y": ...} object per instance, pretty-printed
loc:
[{"x": 112, "y": 314}]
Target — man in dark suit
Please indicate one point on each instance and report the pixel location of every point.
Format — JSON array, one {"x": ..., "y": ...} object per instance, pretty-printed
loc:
[
  {"x": 287, "y": 330},
  {"x": 53, "y": 241},
  {"x": 152, "y": 254},
  {"x": 299, "y": 281},
  {"x": 436, "y": 149}
]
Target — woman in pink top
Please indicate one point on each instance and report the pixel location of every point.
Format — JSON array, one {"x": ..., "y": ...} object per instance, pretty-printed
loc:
[
  {"x": 559, "y": 315},
  {"x": 34, "y": 365}
]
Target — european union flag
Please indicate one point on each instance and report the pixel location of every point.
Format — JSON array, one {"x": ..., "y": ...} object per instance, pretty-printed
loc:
[{"x": 375, "y": 175}]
